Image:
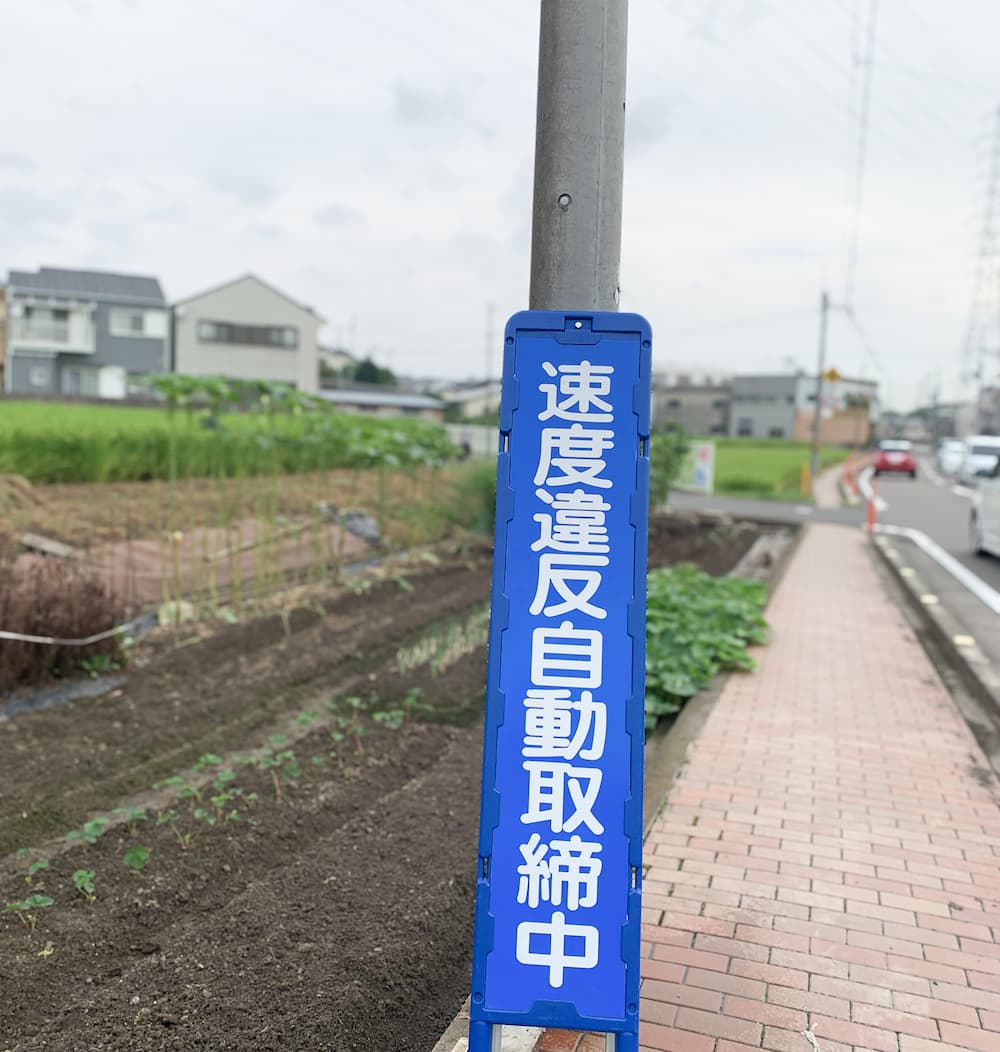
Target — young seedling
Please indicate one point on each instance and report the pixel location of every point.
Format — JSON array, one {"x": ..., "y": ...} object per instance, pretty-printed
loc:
[
  {"x": 392, "y": 718},
  {"x": 83, "y": 881},
  {"x": 173, "y": 819},
  {"x": 281, "y": 764},
  {"x": 22, "y": 909},
  {"x": 36, "y": 867},
  {"x": 208, "y": 759},
  {"x": 136, "y": 857},
  {"x": 354, "y": 724},
  {"x": 132, "y": 815},
  {"x": 91, "y": 831},
  {"x": 411, "y": 703},
  {"x": 48, "y": 950}
]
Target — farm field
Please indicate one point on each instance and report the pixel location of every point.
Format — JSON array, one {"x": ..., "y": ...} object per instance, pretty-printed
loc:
[
  {"x": 288, "y": 858},
  {"x": 279, "y": 433},
  {"x": 68, "y": 443},
  {"x": 768, "y": 469}
]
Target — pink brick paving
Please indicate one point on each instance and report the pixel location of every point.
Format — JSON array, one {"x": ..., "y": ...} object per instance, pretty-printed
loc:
[{"x": 830, "y": 856}]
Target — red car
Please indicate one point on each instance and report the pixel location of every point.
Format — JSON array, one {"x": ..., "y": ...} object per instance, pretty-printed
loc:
[{"x": 896, "y": 455}]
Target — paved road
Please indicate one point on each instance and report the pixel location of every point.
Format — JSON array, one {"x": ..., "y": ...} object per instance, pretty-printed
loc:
[
  {"x": 767, "y": 510},
  {"x": 941, "y": 510}
]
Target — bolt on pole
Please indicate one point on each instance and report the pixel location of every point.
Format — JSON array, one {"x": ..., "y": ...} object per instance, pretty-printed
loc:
[{"x": 579, "y": 155}]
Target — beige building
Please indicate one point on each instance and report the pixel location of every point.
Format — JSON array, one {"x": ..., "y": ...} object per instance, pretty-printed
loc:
[{"x": 247, "y": 330}]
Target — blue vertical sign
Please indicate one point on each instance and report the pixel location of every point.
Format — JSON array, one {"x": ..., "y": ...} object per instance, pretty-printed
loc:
[{"x": 560, "y": 843}]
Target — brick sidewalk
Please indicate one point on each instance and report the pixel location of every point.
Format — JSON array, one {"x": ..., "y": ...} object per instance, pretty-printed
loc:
[{"x": 828, "y": 859}]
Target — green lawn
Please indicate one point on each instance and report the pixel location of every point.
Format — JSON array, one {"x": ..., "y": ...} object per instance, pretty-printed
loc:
[{"x": 766, "y": 468}]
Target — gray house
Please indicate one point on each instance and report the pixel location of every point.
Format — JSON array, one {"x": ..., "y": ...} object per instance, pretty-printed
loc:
[{"x": 83, "y": 332}]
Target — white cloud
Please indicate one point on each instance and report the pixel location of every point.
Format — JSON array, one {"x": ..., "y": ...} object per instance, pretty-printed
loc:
[{"x": 376, "y": 163}]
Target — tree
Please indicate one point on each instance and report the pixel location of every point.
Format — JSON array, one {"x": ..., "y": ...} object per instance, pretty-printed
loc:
[{"x": 367, "y": 372}]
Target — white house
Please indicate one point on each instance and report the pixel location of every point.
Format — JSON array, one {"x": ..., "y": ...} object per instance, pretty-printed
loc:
[{"x": 247, "y": 330}]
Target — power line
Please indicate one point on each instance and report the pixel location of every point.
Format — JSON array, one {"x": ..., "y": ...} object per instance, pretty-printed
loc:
[
  {"x": 862, "y": 153},
  {"x": 737, "y": 323}
]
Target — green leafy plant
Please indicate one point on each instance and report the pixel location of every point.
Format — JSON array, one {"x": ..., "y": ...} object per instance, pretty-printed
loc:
[
  {"x": 35, "y": 868},
  {"x": 281, "y": 764},
  {"x": 132, "y": 815},
  {"x": 83, "y": 881},
  {"x": 392, "y": 718},
  {"x": 667, "y": 450},
  {"x": 47, "y": 950},
  {"x": 136, "y": 857},
  {"x": 91, "y": 831},
  {"x": 98, "y": 665},
  {"x": 696, "y": 625},
  {"x": 22, "y": 909}
]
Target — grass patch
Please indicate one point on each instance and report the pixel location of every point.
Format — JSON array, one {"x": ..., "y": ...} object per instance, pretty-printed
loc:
[{"x": 768, "y": 469}]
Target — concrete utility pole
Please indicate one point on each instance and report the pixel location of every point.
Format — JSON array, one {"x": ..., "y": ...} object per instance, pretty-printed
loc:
[
  {"x": 824, "y": 316},
  {"x": 576, "y": 228},
  {"x": 488, "y": 357}
]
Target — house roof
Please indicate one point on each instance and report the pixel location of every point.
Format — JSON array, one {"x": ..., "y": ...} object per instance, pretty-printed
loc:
[
  {"x": 251, "y": 277},
  {"x": 97, "y": 283},
  {"x": 398, "y": 399}
]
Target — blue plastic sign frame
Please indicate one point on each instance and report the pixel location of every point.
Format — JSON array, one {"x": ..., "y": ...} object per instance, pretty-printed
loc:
[{"x": 559, "y": 885}]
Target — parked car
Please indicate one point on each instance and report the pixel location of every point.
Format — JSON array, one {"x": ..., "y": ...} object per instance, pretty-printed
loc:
[
  {"x": 981, "y": 454},
  {"x": 896, "y": 454},
  {"x": 984, "y": 526},
  {"x": 950, "y": 456}
]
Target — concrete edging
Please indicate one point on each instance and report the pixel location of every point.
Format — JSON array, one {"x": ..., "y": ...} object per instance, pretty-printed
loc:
[{"x": 952, "y": 644}]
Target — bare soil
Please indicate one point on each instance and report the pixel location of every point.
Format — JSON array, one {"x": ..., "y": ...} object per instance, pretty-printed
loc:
[{"x": 336, "y": 912}]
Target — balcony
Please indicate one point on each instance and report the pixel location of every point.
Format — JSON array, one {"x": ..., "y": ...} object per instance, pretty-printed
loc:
[{"x": 74, "y": 335}]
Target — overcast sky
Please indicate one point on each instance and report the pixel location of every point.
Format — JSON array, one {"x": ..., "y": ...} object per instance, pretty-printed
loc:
[{"x": 374, "y": 161}]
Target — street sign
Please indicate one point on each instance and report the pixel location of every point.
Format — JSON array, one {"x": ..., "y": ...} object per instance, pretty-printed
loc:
[
  {"x": 697, "y": 474},
  {"x": 560, "y": 849},
  {"x": 831, "y": 375}
]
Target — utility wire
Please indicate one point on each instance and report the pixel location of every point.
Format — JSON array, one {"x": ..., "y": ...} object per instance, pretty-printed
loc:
[
  {"x": 738, "y": 323},
  {"x": 862, "y": 153}
]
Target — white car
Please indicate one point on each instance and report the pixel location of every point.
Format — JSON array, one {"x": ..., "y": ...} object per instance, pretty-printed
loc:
[
  {"x": 950, "y": 456},
  {"x": 984, "y": 527},
  {"x": 981, "y": 455}
]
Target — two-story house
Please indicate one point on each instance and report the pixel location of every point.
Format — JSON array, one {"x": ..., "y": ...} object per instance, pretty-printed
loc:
[
  {"x": 83, "y": 332},
  {"x": 247, "y": 330}
]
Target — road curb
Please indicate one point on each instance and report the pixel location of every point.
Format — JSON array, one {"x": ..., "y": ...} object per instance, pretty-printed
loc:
[{"x": 953, "y": 645}]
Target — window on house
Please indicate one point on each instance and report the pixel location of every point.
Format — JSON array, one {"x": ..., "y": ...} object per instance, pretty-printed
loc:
[
  {"x": 776, "y": 432},
  {"x": 744, "y": 427},
  {"x": 248, "y": 335},
  {"x": 127, "y": 323},
  {"x": 39, "y": 376}
]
